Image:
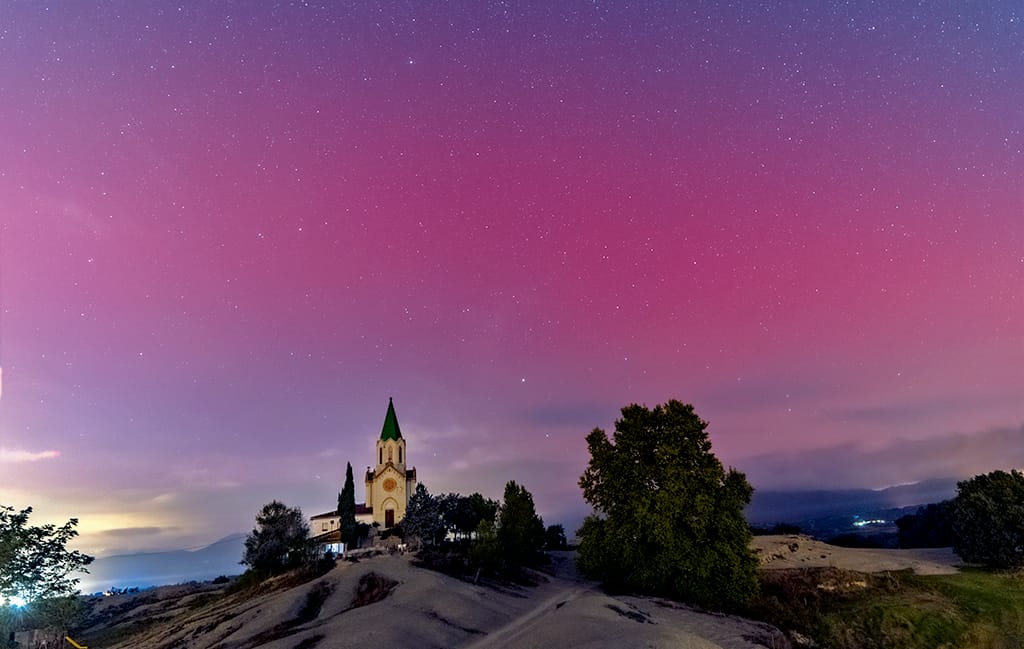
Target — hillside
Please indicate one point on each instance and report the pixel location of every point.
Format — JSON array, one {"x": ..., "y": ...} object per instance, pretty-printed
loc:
[
  {"x": 386, "y": 599},
  {"x": 417, "y": 608}
]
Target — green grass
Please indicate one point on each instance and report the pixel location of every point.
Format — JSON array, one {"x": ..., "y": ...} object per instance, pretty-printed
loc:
[{"x": 846, "y": 610}]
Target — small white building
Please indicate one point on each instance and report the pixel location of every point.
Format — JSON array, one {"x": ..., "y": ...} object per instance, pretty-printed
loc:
[{"x": 326, "y": 528}]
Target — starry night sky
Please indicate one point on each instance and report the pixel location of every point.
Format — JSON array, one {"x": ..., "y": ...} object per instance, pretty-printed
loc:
[{"x": 230, "y": 231}]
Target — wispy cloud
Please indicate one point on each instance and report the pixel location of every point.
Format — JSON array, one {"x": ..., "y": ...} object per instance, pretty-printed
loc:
[
  {"x": 132, "y": 531},
  {"x": 899, "y": 461},
  {"x": 16, "y": 455}
]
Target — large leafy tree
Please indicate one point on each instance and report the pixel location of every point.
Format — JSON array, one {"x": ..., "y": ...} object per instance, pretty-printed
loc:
[
  {"x": 279, "y": 541},
  {"x": 668, "y": 517},
  {"x": 347, "y": 509},
  {"x": 988, "y": 519},
  {"x": 423, "y": 516},
  {"x": 462, "y": 514},
  {"x": 520, "y": 529},
  {"x": 35, "y": 563}
]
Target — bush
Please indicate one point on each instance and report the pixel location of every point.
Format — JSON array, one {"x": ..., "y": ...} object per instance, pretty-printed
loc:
[{"x": 248, "y": 580}]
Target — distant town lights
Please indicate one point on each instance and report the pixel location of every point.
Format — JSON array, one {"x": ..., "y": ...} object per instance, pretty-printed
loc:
[{"x": 876, "y": 521}]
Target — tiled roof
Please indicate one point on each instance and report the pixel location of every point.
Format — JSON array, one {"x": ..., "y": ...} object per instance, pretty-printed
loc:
[
  {"x": 334, "y": 536},
  {"x": 361, "y": 508}
]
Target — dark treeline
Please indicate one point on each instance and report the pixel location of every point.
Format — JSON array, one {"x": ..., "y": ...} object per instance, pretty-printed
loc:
[{"x": 930, "y": 527}]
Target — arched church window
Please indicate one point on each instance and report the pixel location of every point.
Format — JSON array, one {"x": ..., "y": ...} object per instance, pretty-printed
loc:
[
  {"x": 381, "y": 454},
  {"x": 391, "y": 457},
  {"x": 399, "y": 454}
]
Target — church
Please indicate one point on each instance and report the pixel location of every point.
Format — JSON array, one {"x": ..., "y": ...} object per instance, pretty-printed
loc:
[{"x": 388, "y": 487}]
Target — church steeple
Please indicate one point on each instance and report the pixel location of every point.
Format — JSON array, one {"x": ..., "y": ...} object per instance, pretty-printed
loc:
[
  {"x": 390, "y": 484},
  {"x": 391, "y": 429}
]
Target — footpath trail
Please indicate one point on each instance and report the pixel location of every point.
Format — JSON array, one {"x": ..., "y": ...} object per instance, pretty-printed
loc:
[
  {"x": 565, "y": 586},
  {"x": 573, "y": 612},
  {"x": 515, "y": 632}
]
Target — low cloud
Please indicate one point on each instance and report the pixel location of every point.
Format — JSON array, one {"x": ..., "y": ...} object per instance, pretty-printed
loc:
[
  {"x": 584, "y": 416},
  {"x": 901, "y": 461},
  {"x": 128, "y": 532},
  {"x": 938, "y": 406},
  {"x": 17, "y": 455}
]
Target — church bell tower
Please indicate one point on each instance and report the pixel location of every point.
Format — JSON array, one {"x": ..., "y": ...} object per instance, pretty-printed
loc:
[{"x": 390, "y": 484}]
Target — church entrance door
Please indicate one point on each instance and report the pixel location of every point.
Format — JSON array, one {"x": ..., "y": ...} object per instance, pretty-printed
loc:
[{"x": 389, "y": 518}]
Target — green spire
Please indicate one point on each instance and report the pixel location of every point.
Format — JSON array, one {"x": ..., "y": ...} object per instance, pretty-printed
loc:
[{"x": 391, "y": 429}]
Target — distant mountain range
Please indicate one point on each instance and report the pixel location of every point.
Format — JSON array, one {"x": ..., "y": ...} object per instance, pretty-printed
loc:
[
  {"x": 806, "y": 508},
  {"x": 171, "y": 567}
]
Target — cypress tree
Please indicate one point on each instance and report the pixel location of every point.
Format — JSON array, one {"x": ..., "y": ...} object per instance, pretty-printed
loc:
[{"x": 347, "y": 509}]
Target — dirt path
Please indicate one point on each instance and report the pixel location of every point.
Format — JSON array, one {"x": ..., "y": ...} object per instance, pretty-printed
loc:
[{"x": 509, "y": 635}]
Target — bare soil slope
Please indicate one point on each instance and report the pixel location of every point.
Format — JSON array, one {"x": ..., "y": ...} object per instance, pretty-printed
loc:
[{"x": 798, "y": 551}]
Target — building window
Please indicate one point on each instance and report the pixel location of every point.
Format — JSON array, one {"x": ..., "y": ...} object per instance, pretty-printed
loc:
[
  {"x": 399, "y": 454},
  {"x": 381, "y": 459},
  {"x": 325, "y": 527}
]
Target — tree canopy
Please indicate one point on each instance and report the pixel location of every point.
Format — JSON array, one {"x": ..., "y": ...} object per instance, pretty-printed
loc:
[
  {"x": 35, "y": 563},
  {"x": 668, "y": 517},
  {"x": 423, "y": 516},
  {"x": 554, "y": 538},
  {"x": 279, "y": 541},
  {"x": 520, "y": 529},
  {"x": 988, "y": 520},
  {"x": 930, "y": 527},
  {"x": 462, "y": 514},
  {"x": 431, "y": 518}
]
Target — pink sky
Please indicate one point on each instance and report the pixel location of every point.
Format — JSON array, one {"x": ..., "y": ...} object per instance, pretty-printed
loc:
[{"x": 229, "y": 234}]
